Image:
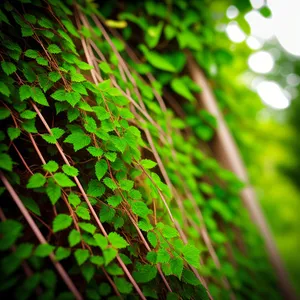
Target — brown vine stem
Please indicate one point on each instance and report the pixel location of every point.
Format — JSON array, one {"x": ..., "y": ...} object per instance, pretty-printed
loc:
[
  {"x": 60, "y": 150},
  {"x": 40, "y": 237}
]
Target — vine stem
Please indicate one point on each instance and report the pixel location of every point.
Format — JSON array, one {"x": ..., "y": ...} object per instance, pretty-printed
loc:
[
  {"x": 40, "y": 237},
  {"x": 60, "y": 150}
]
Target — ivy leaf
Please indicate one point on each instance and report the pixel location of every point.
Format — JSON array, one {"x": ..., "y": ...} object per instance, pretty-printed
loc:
[
  {"x": 54, "y": 49},
  {"x": 61, "y": 222},
  {"x": 114, "y": 200},
  {"x": 192, "y": 255},
  {"x": 169, "y": 232},
  {"x": 78, "y": 140},
  {"x": 31, "y": 53},
  {"x": 95, "y": 188},
  {"x": 101, "y": 168},
  {"x": 38, "y": 96},
  {"x": 117, "y": 241},
  {"x": 13, "y": 133},
  {"x": 59, "y": 95},
  {"x": 24, "y": 250},
  {"x": 42, "y": 61},
  {"x": 81, "y": 255},
  {"x": 101, "y": 113},
  {"x": 53, "y": 191},
  {"x": 101, "y": 240},
  {"x": 43, "y": 250},
  {"x": 74, "y": 199},
  {"x": 110, "y": 183},
  {"x": 4, "y": 113},
  {"x": 35, "y": 181},
  {"x": 31, "y": 205},
  {"x": 50, "y": 166},
  {"x": 70, "y": 170},
  {"x": 88, "y": 271},
  {"x": 77, "y": 77},
  {"x": 158, "y": 61},
  {"x": 109, "y": 254},
  {"x": 181, "y": 88},
  {"x": 145, "y": 273},
  {"x": 148, "y": 164},
  {"x": 176, "y": 266},
  {"x": 54, "y": 76},
  {"x": 4, "y": 90},
  {"x": 111, "y": 156},
  {"x": 151, "y": 236},
  {"x": 140, "y": 208},
  {"x": 8, "y": 67},
  {"x": 63, "y": 180},
  {"x": 97, "y": 260},
  {"x": 96, "y": 152},
  {"x": 119, "y": 143},
  {"x": 189, "y": 277},
  {"x": 90, "y": 228},
  {"x": 106, "y": 213},
  {"x": 163, "y": 256},
  {"x": 28, "y": 114},
  {"x": 74, "y": 238},
  {"x": 145, "y": 225},
  {"x": 83, "y": 213},
  {"x": 105, "y": 68},
  {"x": 126, "y": 184},
  {"x": 62, "y": 253}
]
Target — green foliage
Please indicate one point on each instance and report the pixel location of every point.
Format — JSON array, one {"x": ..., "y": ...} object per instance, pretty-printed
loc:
[{"x": 141, "y": 178}]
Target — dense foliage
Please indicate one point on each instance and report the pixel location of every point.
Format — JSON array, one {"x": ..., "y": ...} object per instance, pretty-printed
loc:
[{"x": 109, "y": 184}]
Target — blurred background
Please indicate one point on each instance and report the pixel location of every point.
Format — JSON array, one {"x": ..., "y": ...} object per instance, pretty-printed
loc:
[{"x": 263, "y": 65}]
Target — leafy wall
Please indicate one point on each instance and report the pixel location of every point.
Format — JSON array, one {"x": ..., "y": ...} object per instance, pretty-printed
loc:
[{"x": 109, "y": 186}]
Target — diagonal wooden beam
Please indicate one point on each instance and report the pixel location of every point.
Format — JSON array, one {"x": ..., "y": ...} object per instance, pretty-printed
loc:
[{"x": 226, "y": 152}]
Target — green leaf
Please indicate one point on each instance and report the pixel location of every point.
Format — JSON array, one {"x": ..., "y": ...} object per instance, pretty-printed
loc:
[
  {"x": 101, "y": 240},
  {"x": 151, "y": 257},
  {"x": 176, "y": 266},
  {"x": 109, "y": 254},
  {"x": 70, "y": 27},
  {"x": 46, "y": 23},
  {"x": 192, "y": 255},
  {"x": 70, "y": 170},
  {"x": 43, "y": 250},
  {"x": 104, "y": 289},
  {"x": 74, "y": 238},
  {"x": 54, "y": 76},
  {"x": 148, "y": 164},
  {"x": 4, "y": 113},
  {"x": 97, "y": 260},
  {"x": 189, "y": 277},
  {"x": 181, "y": 88},
  {"x": 111, "y": 156},
  {"x": 25, "y": 92},
  {"x": 31, "y": 205},
  {"x": 74, "y": 199},
  {"x": 105, "y": 68},
  {"x": 94, "y": 151},
  {"x": 77, "y": 77},
  {"x": 28, "y": 114},
  {"x": 24, "y": 250},
  {"x": 114, "y": 200},
  {"x": 59, "y": 95},
  {"x": 101, "y": 168},
  {"x": 38, "y": 96},
  {"x": 13, "y": 133},
  {"x": 163, "y": 256},
  {"x": 63, "y": 180},
  {"x": 53, "y": 191},
  {"x": 119, "y": 143},
  {"x": 79, "y": 88},
  {"x": 123, "y": 285},
  {"x": 88, "y": 271},
  {"x": 8, "y": 67},
  {"x": 4, "y": 90},
  {"x": 61, "y": 222},
  {"x": 117, "y": 241},
  {"x": 62, "y": 253},
  {"x": 145, "y": 273},
  {"x": 169, "y": 232},
  {"x": 101, "y": 113},
  {"x": 81, "y": 255},
  {"x": 151, "y": 236},
  {"x": 95, "y": 188},
  {"x": 83, "y": 213},
  {"x": 106, "y": 213},
  {"x": 126, "y": 184},
  {"x": 31, "y": 53},
  {"x": 110, "y": 183},
  {"x": 51, "y": 166},
  {"x": 140, "y": 208},
  {"x": 90, "y": 228},
  {"x": 78, "y": 140},
  {"x": 158, "y": 61},
  {"x": 54, "y": 49},
  {"x": 42, "y": 61},
  {"x": 10, "y": 231},
  {"x": 35, "y": 181}
]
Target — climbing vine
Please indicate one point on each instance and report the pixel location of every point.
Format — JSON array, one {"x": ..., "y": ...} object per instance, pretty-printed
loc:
[{"x": 109, "y": 185}]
